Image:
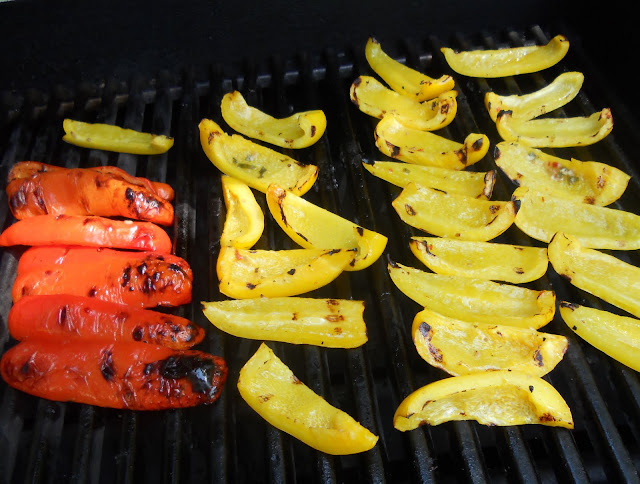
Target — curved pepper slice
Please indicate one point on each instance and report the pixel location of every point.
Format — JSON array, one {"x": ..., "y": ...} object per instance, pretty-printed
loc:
[
  {"x": 312, "y": 226},
  {"x": 556, "y": 132},
  {"x": 134, "y": 376},
  {"x": 600, "y": 274},
  {"x": 254, "y": 164},
  {"x": 559, "y": 92},
  {"x": 420, "y": 147},
  {"x": 451, "y": 215},
  {"x": 475, "y": 300},
  {"x": 401, "y": 78},
  {"x": 581, "y": 181},
  {"x": 516, "y": 264},
  {"x": 247, "y": 274},
  {"x": 86, "y": 230},
  {"x": 300, "y": 130},
  {"x": 462, "y": 348},
  {"x": 278, "y": 396},
  {"x": 492, "y": 398},
  {"x": 508, "y": 61},
  {"x": 616, "y": 336},
  {"x": 377, "y": 100},
  {"x": 244, "y": 223},
  {"x": 114, "y": 138},
  {"x": 540, "y": 216},
  {"x": 332, "y": 323}
]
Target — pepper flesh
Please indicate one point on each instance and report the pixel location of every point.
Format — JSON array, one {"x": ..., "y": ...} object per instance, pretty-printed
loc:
[{"x": 244, "y": 223}]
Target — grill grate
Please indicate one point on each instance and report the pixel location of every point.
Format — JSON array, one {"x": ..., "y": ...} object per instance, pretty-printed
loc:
[{"x": 44, "y": 441}]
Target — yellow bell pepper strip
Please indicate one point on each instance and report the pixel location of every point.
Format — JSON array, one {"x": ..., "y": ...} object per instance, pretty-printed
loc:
[
  {"x": 254, "y": 164},
  {"x": 475, "y": 300},
  {"x": 462, "y": 348},
  {"x": 616, "y": 336},
  {"x": 401, "y": 78},
  {"x": 271, "y": 389},
  {"x": 492, "y": 398},
  {"x": 468, "y": 183},
  {"x": 311, "y": 226},
  {"x": 300, "y": 130},
  {"x": 511, "y": 61},
  {"x": 580, "y": 181},
  {"x": 540, "y": 216},
  {"x": 244, "y": 223},
  {"x": 556, "y": 132},
  {"x": 452, "y": 215},
  {"x": 249, "y": 273},
  {"x": 600, "y": 274},
  {"x": 114, "y": 138},
  {"x": 416, "y": 146},
  {"x": 377, "y": 100},
  {"x": 554, "y": 95},
  {"x": 516, "y": 264},
  {"x": 332, "y": 323}
]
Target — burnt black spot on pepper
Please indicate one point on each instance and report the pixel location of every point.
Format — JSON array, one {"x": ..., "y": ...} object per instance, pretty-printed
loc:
[
  {"x": 302, "y": 237},
  {"x": 148, "y": 368},
  {"x": 425, "y": 330},
  {"x": 176, "y": 268},
  {"x": 516, "y": 205},
  {"x": 126, "y": 276},
  {"x": 106, "y": 365},
  {"x": 333, "y": 251},
  {"x": 250, "y": 285},
  {"x": 18, "y": 199},
  {"x": 334, "y": 318},
  {"x": 462, "y": 155},
  {"x": 137, "y": 333},
  {"x": 142, "y": 269},
  {"x": 39, "y": 194},
  {"x": 333, "y": 302},
  {"x": 198, "y": 371},
  {"x": 24, "y": 369},
  {"x": 394, "y": 150},
  {"x": 436, "y": 353},
  {"x": 358, "y": 81},
  {"x": 531, "y": 388},
  {"x": 575, "y": 328},
  {"x": 98, "y": 181},
  {"x": 360, "y": 231},
  {"x": 409, "y": 209},
  {"x": 537, "y": 356},
  {"x": 291, "y": 272},
  {"x": 148, "y": 286},
  {"x": 518, "y": 270},
  {"x": 129, "y": 195},
  {"x": 477, "y": 144},
  {"x": 444, "y": 109},
  {"x": 62, "y": 316},
  {"x": 313, "y": 130},
  {"x": 294, "y": 317},
  {"x": 93, "y": 292}
]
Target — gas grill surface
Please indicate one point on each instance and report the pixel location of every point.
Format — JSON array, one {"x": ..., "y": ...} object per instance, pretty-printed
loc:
[{"x": 43, "y": 441}]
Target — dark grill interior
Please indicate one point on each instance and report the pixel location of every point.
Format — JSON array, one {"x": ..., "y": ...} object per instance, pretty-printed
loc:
[{"x": 44, "y": 441}]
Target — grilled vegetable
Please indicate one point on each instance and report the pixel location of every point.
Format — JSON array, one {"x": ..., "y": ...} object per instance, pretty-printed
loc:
[
  {"x": 114, "y": 138},
  {"x": 244, "y": 223},
  {"x": 300, "y": 130},
  {"x": 475, "y": 300},
  {"x": 63, "y": 316},
  {"x": 481, "y": 260},
  {"x": 333, "y": 323},
  {"x": 416, "y": 146},
  {"x": 509, "y": 61},
  {"x": 616, "y": 336},
  {"x": 254, "y": 164},
  {"x": 452, "y": 215},
  {"x": 86, "y": 230},
  {"x": 491, "y": 398},
  {"x": 313, "y": 227},
  {"x": 274, "y": 392},
  {"x": 248, "y": 274},
  {"x": 462, "y": 348},
  {"x": 83, "y": 191},
  {"x": 140, "y": 279},
  {"x": 402, "y": 79},
  {"x": 134, "y": 376},
  {"x": 580, "y": 181},
  {"x": 531, "y": 105},
  {"x": 376, "y": 100}
]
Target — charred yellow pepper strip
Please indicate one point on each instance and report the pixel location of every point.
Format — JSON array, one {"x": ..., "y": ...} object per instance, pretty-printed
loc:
[
  {"x": 244, "y": 223},
  {"x": 400, "y": 141},
  {"x": 580, "y": 181},
  {"x": 462, "y": 348},
  {"x": 254, "y": 164},
  {"x": 600, "y": 274},
  {"x": 556, "y": 132},
  {"x": 559, "y": 92},
  {"x": 540, "y": 216},
  {"x": 516, "y": 264},
  {"x": 401, "y": 78},
  {"x": 468, "y": 183},
  {"x": 616, "y": 336},
  {"x": 300, "y": 130},
  {"x": 475, "y": 300},
  {"x": 377, "y": 100},
  {"x": 248, "y": 274},
  {"x": 451, "y": 215},
  {"x": 274, "y": 392},
  {"x": 312, "y": 226},
  {"x": 492, "y": 398},
  {"x": 332, "y": 323},
  {"x": 114, "y": 138},
  {"x": 508, "y": 61}
]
